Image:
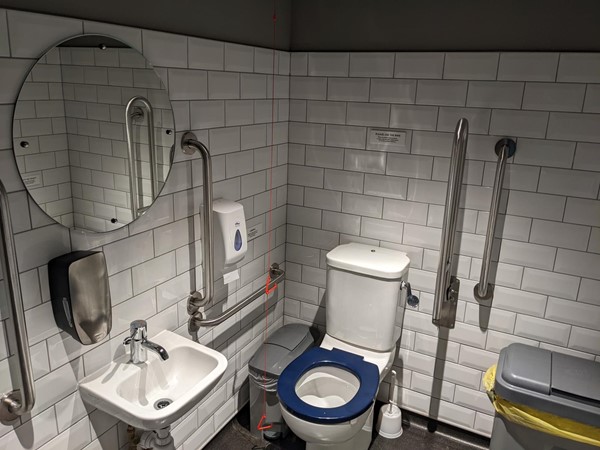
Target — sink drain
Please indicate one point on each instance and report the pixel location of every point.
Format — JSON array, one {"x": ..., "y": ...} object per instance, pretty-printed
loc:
[{"x": 162, "y": 403}]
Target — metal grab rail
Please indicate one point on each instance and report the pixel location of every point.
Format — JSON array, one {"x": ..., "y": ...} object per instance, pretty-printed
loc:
[
  {"x": 196, "y": 300},
  {"x": 277, "y": 275},
  {"x": 484, "y": 290},
  {"x": 15, "y": 403},
  {"x": 130, "y": 114},
  {"x": 447, "y": 285}
]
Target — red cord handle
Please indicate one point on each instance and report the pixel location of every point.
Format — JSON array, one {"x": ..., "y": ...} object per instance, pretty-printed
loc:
[
  {"x": 267, "y": 290},
  {"x": 262, "y": 425}
]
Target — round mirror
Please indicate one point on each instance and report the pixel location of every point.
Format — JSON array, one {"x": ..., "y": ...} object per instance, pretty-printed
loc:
[{"x": 93, "y": 133}]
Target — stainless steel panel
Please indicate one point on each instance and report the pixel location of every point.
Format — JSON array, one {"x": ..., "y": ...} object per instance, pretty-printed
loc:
[{"x": 90, "y": 298}]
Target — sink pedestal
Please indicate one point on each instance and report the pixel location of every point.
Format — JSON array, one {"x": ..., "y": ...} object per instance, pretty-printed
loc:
[{"x": 157, "y": 440}]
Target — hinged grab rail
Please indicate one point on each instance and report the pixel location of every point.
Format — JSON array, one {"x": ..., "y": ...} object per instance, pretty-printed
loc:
[
  {"x": 447, "y": 285},
  {"x": 484, "y": 290},
  {"x": 15, "y": 403}
]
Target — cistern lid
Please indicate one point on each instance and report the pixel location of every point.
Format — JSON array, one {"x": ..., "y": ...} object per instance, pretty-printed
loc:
[{"x": 369, "y": 260}]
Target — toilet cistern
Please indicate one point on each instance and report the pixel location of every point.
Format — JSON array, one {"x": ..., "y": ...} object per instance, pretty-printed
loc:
[{"x": 138, "y": 343}]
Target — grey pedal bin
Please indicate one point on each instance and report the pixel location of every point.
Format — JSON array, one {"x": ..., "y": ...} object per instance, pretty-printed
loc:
[
  {"x": 280, "y": 349},
  {"x": 551, "y": 382}
]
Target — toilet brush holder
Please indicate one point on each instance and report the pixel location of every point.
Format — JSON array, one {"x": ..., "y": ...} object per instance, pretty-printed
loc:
[{"x": 389, "y": 422}]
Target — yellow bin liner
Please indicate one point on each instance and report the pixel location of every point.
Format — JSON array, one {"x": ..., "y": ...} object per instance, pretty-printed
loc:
[{"x": 539, "y": 420}]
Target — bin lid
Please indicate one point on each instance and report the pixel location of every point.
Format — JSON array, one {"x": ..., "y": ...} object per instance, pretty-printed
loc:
[
  {"x": 580, "y": 379},
  {"x": 280, "y": 349},
  {"x": 553, "y": 382}
]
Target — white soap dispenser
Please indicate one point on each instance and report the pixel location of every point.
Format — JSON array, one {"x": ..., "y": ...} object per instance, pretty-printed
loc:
[{"x": 230, "y": 235}]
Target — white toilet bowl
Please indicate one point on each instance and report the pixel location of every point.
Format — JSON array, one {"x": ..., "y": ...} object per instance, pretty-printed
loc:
[
  {"x": 327, "y": 394},
  {"x": 319, "y": 436},
  {"x": 326, "y": 387}
]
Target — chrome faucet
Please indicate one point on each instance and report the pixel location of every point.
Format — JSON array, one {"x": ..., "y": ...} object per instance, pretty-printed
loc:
[{"x": 138, "y": 343}]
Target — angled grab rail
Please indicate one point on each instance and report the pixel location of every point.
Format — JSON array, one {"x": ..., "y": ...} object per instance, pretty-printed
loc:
[
  {"x": 130, "y": 114},
  {"x": 484, "y": 290},
  {"x": 447, "y": 285},
  {"x": 190, "y": 145},
  {"x": 17, "y": 402}
]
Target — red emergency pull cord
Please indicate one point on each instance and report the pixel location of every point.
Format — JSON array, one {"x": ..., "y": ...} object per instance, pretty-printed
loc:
[
  {"x": 262, "y": 425},
  {"x": 273, "y": 288}
]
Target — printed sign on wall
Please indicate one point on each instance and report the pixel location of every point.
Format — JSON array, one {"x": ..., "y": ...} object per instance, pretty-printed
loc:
[{"x": 386, "y": 140}]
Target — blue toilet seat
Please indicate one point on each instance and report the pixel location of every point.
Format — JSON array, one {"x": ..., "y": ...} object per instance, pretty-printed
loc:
[{"x": 366, "y": 372}]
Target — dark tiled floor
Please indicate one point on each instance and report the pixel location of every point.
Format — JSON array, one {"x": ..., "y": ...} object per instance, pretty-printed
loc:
[{"x": 235, "y": 436}]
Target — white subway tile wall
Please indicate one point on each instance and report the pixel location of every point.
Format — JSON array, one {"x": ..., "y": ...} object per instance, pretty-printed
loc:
[
  {"x": 153, "y": 263},
  {"x": 548, "y": 235}
]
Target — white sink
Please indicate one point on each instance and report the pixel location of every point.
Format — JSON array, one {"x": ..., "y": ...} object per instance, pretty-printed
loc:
[{"x": 131, "y": 391}]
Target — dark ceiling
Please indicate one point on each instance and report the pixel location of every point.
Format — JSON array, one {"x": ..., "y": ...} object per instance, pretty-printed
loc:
[
  {"x": 366, "y": 25},
  {"x": 446, "y": 25},
  {"x": 243, "y": 21}
]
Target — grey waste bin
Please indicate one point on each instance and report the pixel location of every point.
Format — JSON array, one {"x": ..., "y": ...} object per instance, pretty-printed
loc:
[
  {"x": 280, "y": 349},
  {"x": 551, "y": 382}
]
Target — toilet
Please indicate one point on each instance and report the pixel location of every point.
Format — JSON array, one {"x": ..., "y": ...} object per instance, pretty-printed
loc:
[{"x": 327, "y": 394}]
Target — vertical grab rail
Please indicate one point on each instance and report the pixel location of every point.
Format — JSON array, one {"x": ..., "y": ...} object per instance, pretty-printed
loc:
[
  {"x": 131, "y": 114},
  {"x": 15, "y": 403},
  {"x": 484, "y": 290},
  {"x": 446, "y": 285},
  {"x": 196, "y": 300}
]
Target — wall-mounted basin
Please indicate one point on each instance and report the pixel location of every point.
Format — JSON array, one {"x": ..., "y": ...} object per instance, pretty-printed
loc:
[{"x": 154, "y": 394}]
